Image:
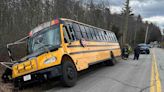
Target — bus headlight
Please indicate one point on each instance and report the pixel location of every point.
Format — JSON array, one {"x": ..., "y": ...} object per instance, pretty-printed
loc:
[{"x": 50, "y": 60}]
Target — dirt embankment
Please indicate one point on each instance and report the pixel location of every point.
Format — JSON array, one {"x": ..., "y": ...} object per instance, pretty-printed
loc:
[{"x": 5, "y": 87}]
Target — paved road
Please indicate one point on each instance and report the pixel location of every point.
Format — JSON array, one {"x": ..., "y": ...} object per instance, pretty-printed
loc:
[
  {"x": 125, "y": 76},
  {"x": 159, "y": 55}
]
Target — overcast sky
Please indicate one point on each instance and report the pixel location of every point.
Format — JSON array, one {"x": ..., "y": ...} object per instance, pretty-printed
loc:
[{"x": 150, "y": 10}]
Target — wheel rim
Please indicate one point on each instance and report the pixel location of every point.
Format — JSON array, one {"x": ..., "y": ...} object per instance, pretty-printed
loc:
[{"x": 70, "y": 73}]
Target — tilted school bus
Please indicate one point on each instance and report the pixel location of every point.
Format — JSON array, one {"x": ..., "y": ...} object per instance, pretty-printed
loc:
[{"x": 62, "y": 47}]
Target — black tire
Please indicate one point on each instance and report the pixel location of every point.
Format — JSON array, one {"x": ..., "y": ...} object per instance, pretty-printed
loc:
[
  {"x": 148, "y": 52},
  {"x": 111, "y": 61},
  {"x": 6, "y": 76},
  {"x": 69, "y": 74}
]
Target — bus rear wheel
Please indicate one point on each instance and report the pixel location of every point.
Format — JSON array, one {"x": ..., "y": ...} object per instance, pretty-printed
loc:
[
  {"x": 69, "y": 74},
  {"x": 111, "y": 61}
]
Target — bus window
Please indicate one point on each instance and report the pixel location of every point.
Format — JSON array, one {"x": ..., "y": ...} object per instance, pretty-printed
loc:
[
  {"x": 97, "y": 34},
  {"x": 103, "y": 35},
  {"x": 72, "y": 32},
  {"x": 112, "y": 37},
  {"x": 93, "y": 33},
  {"x": 109, "y": 37},
  {"x": 84, "y": 34},
  {"x": 77, "y": 31},
  {"x": 88, "y": 32},
  {"x": 66, "y": 36},
  {"x": 69, "y": 33},
  {"x": 108, "y": 34}
]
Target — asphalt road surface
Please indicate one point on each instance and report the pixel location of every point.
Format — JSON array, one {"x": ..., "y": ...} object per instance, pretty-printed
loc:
[{"x": 144, "y": 75}]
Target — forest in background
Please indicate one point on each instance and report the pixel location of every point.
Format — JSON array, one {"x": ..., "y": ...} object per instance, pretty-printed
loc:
[{"x": 18, "y": 17}]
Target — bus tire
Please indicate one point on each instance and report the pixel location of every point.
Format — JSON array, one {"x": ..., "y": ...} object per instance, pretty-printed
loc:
[
  {"x": 69, "y": 74},
  {"x": 111, "y": 61}
]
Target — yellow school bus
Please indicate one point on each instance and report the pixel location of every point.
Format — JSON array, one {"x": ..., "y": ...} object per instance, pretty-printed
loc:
[{"x": 62, "y": 47}]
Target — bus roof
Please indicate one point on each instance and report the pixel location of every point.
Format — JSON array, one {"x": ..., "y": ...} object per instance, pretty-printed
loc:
[
  {"x": 65, "y": 19},
  {"x": 47, "y": 24},
  {"x": 40, "y": 27}
]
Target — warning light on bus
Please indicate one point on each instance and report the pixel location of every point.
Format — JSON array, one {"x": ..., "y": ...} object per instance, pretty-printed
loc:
[{"x": 30, "y": 33}]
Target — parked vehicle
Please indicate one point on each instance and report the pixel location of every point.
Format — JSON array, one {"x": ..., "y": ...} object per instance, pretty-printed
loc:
[
  {"x": 144, "y": 48},
  {"x": 150, "y": 46}
]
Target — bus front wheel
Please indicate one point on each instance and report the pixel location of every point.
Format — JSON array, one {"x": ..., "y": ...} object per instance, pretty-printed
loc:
[{"x": 69, "y": 74}]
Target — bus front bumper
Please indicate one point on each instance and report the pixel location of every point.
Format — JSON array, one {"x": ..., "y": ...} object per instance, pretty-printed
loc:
[{"x": 38, "y": 76}]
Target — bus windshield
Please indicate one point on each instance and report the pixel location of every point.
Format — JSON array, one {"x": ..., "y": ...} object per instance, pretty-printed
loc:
[{"x": 48, "y": 38}]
